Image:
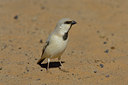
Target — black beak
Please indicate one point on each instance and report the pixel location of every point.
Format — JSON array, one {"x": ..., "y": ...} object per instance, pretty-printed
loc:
[{"x": 73, "y": 22}]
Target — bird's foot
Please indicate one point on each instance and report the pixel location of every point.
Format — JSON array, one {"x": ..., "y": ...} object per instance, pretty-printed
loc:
[{"x": 61, "y": 69}]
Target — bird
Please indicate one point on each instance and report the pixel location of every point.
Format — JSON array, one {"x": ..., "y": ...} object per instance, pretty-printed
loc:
[{"x": 57, "y": 41}]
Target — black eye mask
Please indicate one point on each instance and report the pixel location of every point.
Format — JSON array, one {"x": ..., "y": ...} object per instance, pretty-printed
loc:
[{"x": 68, "y": 22}]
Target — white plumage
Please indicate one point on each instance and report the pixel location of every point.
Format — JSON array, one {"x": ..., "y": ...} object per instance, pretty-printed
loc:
[{"x": 57, "y": 41}]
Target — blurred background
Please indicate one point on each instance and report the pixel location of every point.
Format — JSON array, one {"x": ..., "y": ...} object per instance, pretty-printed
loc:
[{"x": 97, "y": 49}]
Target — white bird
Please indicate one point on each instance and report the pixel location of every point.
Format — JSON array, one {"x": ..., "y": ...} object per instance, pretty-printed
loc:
[{"x": 57, "y": 41}]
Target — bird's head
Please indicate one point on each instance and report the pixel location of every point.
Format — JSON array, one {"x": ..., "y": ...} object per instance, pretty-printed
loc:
[{"x": 64, "y": 25}]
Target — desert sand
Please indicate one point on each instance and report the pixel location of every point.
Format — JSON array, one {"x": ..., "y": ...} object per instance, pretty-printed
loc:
[{"x": 97, "y": 52}]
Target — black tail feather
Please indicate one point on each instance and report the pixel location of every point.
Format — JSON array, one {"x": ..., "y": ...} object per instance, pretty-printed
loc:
[{"x": 40, "y": 61}]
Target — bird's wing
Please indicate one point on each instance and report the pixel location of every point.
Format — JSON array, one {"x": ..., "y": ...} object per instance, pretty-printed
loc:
[
  {"x": 45, "y": 46},
  {"x": 43, "y": 57}
]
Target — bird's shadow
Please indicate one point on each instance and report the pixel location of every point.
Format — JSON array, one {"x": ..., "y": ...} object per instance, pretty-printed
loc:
[{"x": 51, "y": 64}]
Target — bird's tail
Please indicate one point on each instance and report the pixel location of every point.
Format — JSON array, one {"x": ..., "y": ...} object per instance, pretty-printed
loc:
[{"x": 40, "y": 61}]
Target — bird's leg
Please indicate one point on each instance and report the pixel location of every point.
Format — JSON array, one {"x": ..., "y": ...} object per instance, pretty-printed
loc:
[
  {"x": 61, "y": 68},
  {"x": 48, "y": 64},
  {"x": 60, "y": 61}
]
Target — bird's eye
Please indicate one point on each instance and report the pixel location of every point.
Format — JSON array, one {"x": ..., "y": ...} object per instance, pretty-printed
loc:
[{"x": 68, "y": 22}]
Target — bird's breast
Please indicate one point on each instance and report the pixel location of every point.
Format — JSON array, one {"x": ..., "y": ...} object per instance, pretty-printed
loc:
[{"x": 56, "y": 46}]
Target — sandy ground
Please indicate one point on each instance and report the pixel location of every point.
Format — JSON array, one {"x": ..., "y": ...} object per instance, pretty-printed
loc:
[{"x": 97, "y": 52}]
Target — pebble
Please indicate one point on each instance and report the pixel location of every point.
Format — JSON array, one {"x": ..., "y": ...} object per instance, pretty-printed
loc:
[
  {"x": 98, "y": 31},
  {"x": 112, "y": 34},
  {"x": 106, "y": 51},
  {"x": 27, "y": 69},
  {"x": 3, "y": 47},
  {"x": 42, "y": 7},
  {"x": 112, "y": 47},
  {"x": 95, "y": 71},
  {"x": 101, "y": 65},
  {"x": 10, "y": 40},
  {"x": 0, "y": 68},
  {"x": 26, "y": 54},
  {"x": 37, "y": 79},
  {"x": 73, "y": 74},
  {"x": 19, "y": 48},
  {"x": 105, "y": 42},
  {"x": 16, "y": 17},
  {"x": 72, "y": 51},
  {"x": 79, "y": 78},
  {"x": 107, "y": 76},
  {"x": 41, "y": 41}
]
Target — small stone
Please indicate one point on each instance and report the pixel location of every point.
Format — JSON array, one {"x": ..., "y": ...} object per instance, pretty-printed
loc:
[
  {"x": 96, "y": 61},
  {"x": 112, "y": 34},
  {"x": 12, "y": 49},
  {"x": 98, "y": 31},
  {"x": 107, "y": 76},
  {"x": 67, "y": 78},
  {"x": 106, "y": 51},
  {"x": 10, "y": 40},
  {"x": 81, "y": 52},
  {"x": 113, "y": 61},
  {"x": 26, "y": 54},
  {"x": 101, "y": 65},
  {"x": 107, "y": 39},
  {"x": 16, "y": 17},
  {"x": 72, "y": 51},
  {"x": 79, "y": 78},
  {"x": 6, "y": 75},
  {"x": 95, "y": 71},
  {"x": 3, "y": 47},
  {"x": 36, "y": 28},
  {"x": 37, "y": 79},
  {"x": 41, "y": 41},
  {"x": 42, "y": 7},
  {"x": 33, "y": 68},
  {"x": 80, "y": 61},
  {"x": 1, "y": 62},
  {"x": 112, "y": 47},
  {"x": 0, "y": 68},
  {"x": 68, "y": 54},
  {"x": 27, "y": 70},
  {"x": 19, "y": 48},
  {"x": 73, "y": 74},
  {"x": 105, "y": 42},
  {"x": 35, "y": 58}
]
